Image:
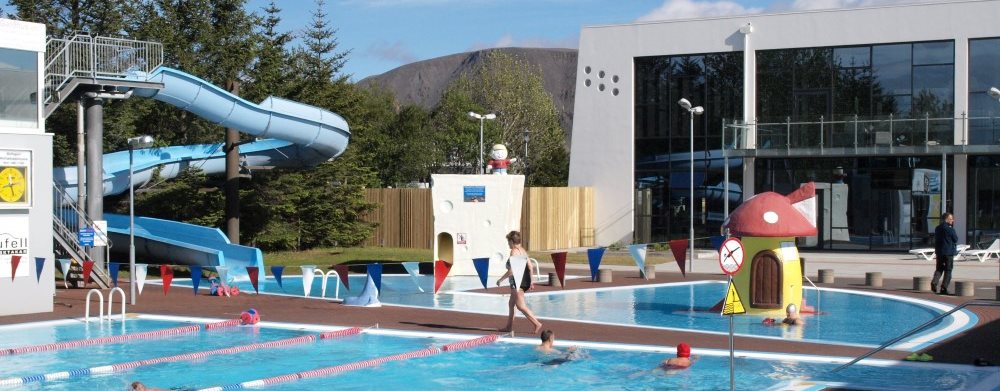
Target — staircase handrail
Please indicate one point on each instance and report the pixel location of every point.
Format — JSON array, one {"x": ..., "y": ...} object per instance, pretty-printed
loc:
[
  {"x": 65, "y": 205},
  {"x": 83, "y": 55}
]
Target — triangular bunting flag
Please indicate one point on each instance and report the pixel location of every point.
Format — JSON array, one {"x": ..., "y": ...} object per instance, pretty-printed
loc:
[
  {"x": 254, "y": 273},
  {"x": 716, "y": 241},
  {"x": 679, "y": 249},
  {"x": 195, "y": 277},
  {"x": 482, "y": 269},
  {"x": 39, "y": 265},
  {"x": 88, "y": 266},
  {"x": 559, "y": 261},
  {"x": 223, "y": 274},
  {"x": 113, "y": 268},
  {"x": 517, "y": 265},
  {"x": 594, "y": 255},
  {"x": 277, "y": 271},
  {"x": 140, "y": 275},
  {"x": 413, "y": 269},
  {"x": 64, "y": 269},
  {"x": 638, "y": 252},
  {"x": 167, "y": 274},
  {"x": 441, "y": 269},
  {"x": 733, "y": 304},
  {"x": 308, "y": 273},
  {"x": 342, "y": 271},
  {"x": 375, "y": 272},
  {"x": 14, "y": 261}
]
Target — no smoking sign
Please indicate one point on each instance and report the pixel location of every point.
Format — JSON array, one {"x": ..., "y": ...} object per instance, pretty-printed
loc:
[{"x": 731, "y": 256}]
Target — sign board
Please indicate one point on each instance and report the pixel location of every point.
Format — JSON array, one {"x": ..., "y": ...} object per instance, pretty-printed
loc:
[
  {"x": 85, "y": 237},
  {"x": 474, "y": 193},
  {"x": 461, "y": 238},
  {"x": 15, "y": 178},
  {"x": 731, "y": 256},
  {"x": 733, "y": 304},
  {"x": 14, "y": 242},
  {"x": 100, "y": 233}
]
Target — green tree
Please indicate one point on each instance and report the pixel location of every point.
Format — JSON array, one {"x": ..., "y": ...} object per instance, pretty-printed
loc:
[
  {"x": 269, "y": 73},
  {"x": 512, "y": 88},
  {"x": 191, "y": 197}
]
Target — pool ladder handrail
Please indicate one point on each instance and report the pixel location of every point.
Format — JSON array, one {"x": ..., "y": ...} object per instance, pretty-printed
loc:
[
  {"x": 326, "y": 276},
  {"x": 100, "y": 302},
  {"x": 538, "y": 270},
  {"x": 814, "y": 287},
  {"x": 986, "y": 303}
]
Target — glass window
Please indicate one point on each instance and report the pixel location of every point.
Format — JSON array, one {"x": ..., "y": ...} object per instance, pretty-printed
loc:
[
  {"x": 984, "y": 64},
  {"x": 925, "y": 53},
  {"x": 852, "y": 57},
  {"x": 891, "y": 66},
  {"x": 18, "y": 88},
  {"x": 933, "y": 89}
]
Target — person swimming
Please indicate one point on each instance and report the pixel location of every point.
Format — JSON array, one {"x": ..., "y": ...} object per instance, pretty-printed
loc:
[
  {"x": 547, "y": 346},
  {"x": 683, "y": 359}
]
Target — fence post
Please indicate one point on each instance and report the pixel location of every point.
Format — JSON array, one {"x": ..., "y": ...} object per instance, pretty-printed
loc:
[
  {"x": 821, "y": 135},
  {"x": 892, "y": 137},
  {"x": 927, "y": 128},
  {"x": 964, "y": 120},
  {"x": 788, "y": 133},
  {"x": 855, "y": 133}
]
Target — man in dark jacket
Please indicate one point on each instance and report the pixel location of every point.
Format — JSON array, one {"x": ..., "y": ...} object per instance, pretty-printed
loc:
[{"x": 946, "y": 247}]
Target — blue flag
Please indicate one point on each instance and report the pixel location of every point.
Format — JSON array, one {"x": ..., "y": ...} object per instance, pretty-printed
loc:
[
  {"x": 413, "y": 268},
  {"x": 717, "y": 241},
  {"x": 482, "y": 268},
  {"x": 113, "y": 269},
  {"x": 638, "y": 252},
  {"x": 195, "y": 277},
  {"x": 39, "y": 265},
  {"x": 276, "y": 271},
  {"x": 594, "y": 255},
  {"x": 375, "y": 272}
]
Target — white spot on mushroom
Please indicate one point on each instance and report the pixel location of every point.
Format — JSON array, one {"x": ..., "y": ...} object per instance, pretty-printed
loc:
[{"x": 770, "y": 217}]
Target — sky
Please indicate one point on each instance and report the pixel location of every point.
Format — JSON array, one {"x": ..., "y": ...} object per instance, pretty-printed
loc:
[{"x": 384, "y": 34}]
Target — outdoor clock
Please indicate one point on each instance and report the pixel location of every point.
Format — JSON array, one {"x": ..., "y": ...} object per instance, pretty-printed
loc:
[{"x": 13, "y": 185}]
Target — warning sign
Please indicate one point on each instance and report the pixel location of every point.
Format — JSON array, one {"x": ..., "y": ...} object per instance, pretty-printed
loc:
[{"x": 733, "y": 304}]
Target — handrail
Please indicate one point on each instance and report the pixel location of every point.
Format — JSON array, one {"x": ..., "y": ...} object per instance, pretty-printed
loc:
[
  {"x": 336, "y": 284},
  {"x": 111, "y": 301},
  {"x": 917, "y": 329},
  {"x": 100, "y": 298},
  {"x": 65, "y": 214},
  {"x": 815, "y": 288},
  {"x": 538, "y": 270}
]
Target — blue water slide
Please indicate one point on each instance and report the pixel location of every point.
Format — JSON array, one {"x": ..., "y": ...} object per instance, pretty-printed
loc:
[{"x": 303, "y": 136}]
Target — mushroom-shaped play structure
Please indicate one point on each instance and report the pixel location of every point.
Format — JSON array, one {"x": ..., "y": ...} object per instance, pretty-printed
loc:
[{"x": 767, "y": 224}]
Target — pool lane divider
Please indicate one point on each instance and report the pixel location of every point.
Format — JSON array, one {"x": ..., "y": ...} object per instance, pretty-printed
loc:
[
  {"x": 320, "y": 372},
  {"x": 121, "y": 367}
]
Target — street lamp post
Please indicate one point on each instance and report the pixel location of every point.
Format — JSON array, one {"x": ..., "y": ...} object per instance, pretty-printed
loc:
[
  {"x": 692, "y": 111},
  {"x": 481, "y": 118},
  {"x": 527, "y": 137},
  {"x": 133, "y": 143}
]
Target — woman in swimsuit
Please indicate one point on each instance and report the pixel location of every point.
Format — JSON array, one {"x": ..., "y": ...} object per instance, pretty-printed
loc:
[{"x": 517, "y": 292}]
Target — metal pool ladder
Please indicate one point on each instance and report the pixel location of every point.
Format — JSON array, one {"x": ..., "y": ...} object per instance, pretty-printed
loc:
[
  {"x": 984, "y": 303},
  {"x": 100, "y": 302}
]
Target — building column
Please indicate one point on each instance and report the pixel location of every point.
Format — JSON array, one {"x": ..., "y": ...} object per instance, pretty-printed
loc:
[
  {"x": 960, "y": 196},
  {"x": 94, "y": 108}
]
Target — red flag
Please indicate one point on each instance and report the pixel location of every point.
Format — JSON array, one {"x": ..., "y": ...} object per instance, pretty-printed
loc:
[
  {"x": 559, "y": 261},
  {"x": 87, "y": 267},
  {"x": 253, "y": 271},
  {"x": 167, "y": 273},
  {"x": 441, "y": 269},
  {"x": 14, "y": 260},
  {"x": 679, "y": 248},
  {"x": 342, "y": 273}
]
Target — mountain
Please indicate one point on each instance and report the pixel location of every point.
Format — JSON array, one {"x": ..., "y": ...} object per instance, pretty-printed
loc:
[{"x": 423, "y": 82}]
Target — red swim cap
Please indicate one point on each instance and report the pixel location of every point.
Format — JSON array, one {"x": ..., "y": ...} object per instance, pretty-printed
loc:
[{"x": 683, "y": 350}]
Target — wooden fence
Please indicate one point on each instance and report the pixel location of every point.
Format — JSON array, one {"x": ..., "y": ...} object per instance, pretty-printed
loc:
[{"x": 551, "y": 218}]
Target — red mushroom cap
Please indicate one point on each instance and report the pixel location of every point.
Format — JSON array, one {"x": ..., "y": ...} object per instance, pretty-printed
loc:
[{"x": 771, "y": 215}]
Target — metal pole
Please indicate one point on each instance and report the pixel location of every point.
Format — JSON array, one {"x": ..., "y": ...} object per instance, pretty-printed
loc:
[
  {"x": 81, "y": 176},
  {"x": 131, "y": 226},
  {"x": 944, "y": 182},
  {"x": 691, "y": 201},
  {"x": 732, "y": 349},
  {"x": 482, "y": 169},
  {"x": 725, "y": 171},
  {"x": 527, "y": 134}
]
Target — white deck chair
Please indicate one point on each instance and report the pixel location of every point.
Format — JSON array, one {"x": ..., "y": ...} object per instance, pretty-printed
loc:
[
  {"x": 983, "y": 255},
  {"x": 928, "y": 253}
]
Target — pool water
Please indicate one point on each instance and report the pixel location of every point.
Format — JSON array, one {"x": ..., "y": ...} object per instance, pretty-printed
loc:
[
  {"x": 847, "y": 317},
  {"x": 502, "y": 365}
]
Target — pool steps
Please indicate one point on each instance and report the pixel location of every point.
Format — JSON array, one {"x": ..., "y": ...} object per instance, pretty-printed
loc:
[
  {"x": 105, "y": 369},
  {"x": 467, "y": 344}
]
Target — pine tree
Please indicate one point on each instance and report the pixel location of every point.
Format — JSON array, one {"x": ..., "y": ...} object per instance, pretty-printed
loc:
[{"x": 269, "y": 72}]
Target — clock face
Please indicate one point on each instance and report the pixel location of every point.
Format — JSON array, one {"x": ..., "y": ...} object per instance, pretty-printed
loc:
[{"x": 13, "y": 185}]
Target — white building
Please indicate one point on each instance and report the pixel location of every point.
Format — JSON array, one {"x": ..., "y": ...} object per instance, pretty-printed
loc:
[{"x": 891, "y": 101}]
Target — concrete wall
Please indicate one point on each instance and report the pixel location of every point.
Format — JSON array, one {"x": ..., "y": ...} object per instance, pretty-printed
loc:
[
  {"x": 25, "y": 293},
  {"x": 603, "y": 131}
]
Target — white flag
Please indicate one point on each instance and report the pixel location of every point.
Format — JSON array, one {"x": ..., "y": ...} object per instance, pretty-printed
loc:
[
  {"x": 412, "y": 268},
  {"x": 140, "y": 275},
  {"x": 517, "y": 265},
  {"x": 307, "y": 278},
  {"x": 638, "y": 252}
]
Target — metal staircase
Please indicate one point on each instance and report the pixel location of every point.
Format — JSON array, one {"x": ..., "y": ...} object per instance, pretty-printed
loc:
[
  {"x": 66, "y": 221},
  {"x": 103, "y": 63}
]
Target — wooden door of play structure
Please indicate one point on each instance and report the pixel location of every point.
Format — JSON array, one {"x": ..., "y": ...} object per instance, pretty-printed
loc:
[{"x": 765, "y": 281}]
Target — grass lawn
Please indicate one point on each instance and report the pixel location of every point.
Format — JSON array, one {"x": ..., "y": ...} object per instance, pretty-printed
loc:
[{"x": 325, "y": 257}]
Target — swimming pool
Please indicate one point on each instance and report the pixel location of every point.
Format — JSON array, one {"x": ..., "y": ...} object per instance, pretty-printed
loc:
[
  {"x": 509, "y": 364},
  {"x": 849, "y": 317}
]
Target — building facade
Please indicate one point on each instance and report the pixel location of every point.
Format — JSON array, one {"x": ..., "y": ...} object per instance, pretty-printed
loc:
[{"x": 886, "y": 109}]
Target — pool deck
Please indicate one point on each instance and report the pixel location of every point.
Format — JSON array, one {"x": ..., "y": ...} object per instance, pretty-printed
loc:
[{"x": 898, "y": 270}]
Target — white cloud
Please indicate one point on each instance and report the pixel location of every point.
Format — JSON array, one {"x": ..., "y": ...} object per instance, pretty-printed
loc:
[
  {"x": 507, "y": 40},
  {"x": 687, "y": 9},
  {"x": 396, "y": 52},
  {"x": 802, "y": 5}
]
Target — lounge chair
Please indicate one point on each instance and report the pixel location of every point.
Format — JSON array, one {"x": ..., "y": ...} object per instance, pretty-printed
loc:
[
  {"x": 983, "y": 255},
  {"x": 928, "y": 253}
]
